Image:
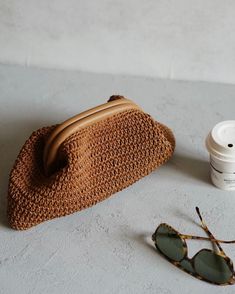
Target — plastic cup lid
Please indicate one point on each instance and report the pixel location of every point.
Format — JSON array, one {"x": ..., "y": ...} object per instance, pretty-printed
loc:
[{"x": 221, "y": 140}]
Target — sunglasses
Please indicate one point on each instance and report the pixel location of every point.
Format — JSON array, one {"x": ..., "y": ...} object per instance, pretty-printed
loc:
[{"x": 212, "y": 266}]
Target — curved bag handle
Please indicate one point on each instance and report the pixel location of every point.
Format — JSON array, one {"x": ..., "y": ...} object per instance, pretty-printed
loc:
[{"x": 67, "y": 128}]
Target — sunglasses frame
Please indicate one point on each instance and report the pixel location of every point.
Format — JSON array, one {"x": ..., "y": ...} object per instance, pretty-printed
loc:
[{"x": 211, "y": 238}]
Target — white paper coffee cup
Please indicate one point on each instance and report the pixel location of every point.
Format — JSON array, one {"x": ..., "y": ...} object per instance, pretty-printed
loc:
[{"x": 220, "y": 144}]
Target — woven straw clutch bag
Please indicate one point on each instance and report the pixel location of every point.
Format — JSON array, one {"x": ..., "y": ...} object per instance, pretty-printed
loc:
[{"x": 68, "y": 167}]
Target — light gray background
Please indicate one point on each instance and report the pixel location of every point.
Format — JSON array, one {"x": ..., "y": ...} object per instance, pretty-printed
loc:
[
  {"x": 183, "y": 39},
  {"x": 107, "y": 248}
]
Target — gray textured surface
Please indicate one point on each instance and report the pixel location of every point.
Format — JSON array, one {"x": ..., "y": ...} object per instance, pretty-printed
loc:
[
  {"x": 107, "y": 249},
  {"x": 190, "y": 39}
]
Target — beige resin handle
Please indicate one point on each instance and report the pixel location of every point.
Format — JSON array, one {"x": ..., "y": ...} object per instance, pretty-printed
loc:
[{"x": 76, "y": 123}]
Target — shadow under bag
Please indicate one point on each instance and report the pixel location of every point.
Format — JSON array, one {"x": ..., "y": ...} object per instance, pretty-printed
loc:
[{"x": 65, "y": 168}]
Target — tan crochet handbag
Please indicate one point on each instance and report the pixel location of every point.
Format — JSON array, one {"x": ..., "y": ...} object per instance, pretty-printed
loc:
[{"x": 66, "y": 168}]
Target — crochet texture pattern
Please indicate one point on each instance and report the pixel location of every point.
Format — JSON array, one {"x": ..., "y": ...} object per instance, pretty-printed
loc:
[{"x": 97, "y": 161}]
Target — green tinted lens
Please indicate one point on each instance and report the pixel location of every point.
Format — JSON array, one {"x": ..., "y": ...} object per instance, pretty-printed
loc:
[
  {"x": 169, "y": 243},
  {"x": 212, "y": 267},
  {"x": 186, "y": 264}
]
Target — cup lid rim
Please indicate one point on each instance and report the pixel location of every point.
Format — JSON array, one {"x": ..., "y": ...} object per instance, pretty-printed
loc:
[{"x": 217, "y": 142}]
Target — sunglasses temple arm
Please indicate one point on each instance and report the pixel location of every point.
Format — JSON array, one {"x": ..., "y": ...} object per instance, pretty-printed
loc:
[
  {"x": 204, "y": 226},
  {"x": 207, "y": 239}
]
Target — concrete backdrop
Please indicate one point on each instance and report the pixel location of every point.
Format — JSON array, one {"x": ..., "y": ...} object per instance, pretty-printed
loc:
[
  {"x": 184, "y": 39},
  {"x": 107, "y": 249}
]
